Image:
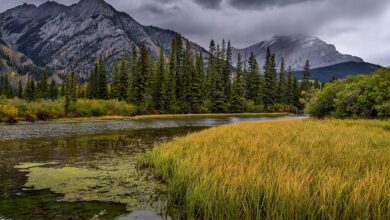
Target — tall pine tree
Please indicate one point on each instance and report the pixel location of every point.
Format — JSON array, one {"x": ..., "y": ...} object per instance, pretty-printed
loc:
[
  {"x": 53, "y": 90},
  {"x": 270, "y": 79},
  {"x": 254, "y": 81},
  {"x": 123, "y": 78},
  {"x": 282, "y": 84},
  {"x": 101, "y": 80},
  {"x": 159, "y": 88},
  {"x": 7, "y": 88},
  {"x": 42, "y": 87},
  {"x": 305, "y": 85},
  {"x": 20, "y": 89},
  {"x": 237, "y": 100},
  {"x": 219, "y": 99},
  {"x": 140, "y": 78}
]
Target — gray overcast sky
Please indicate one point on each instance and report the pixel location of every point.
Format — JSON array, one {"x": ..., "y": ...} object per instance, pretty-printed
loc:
[{"x": 356, "y": 27}]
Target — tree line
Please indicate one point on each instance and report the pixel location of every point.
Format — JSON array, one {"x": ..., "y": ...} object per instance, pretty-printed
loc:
[{"x": 181, "y": 83}]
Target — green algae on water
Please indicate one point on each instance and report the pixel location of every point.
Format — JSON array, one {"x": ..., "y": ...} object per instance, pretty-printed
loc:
[
  {"x": 111, "y": 180},
  {"x": 26, "y": 166}
]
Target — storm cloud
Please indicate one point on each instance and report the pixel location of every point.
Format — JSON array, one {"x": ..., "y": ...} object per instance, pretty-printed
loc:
[{"x": 357, "y": 27}]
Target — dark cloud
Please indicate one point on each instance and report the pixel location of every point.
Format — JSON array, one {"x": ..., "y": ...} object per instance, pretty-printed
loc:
[
  {"x": 247, "y": 4},
  {"x": 159, "y": 10},
  {"x": 256, "y": 4},
  {"x": 209, "y": 3}
]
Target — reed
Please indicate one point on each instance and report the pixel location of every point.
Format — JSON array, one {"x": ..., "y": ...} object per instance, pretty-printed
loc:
[{"x": 308, "y": 169}]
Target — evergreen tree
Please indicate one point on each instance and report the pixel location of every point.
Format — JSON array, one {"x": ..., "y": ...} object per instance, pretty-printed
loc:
[
  {"x": 123, "y": 78},
  {"x": 237, "y": 102},
  {"x": 170, "y": 101},
  {"x": 228, "y": 70},
  {"x": 115, "y": 87},
  {"x": 62, "y": 91},
  {"x": 20, "y": 89},
  {"x": 219, "y": 98},
  {"x": 29, "y": 92},
  {"x": 53, "y": 90},
  {"x": 180, "y": 78},
  {"x": 140, "y": 78},
  {"x": 270, "y": 79},
  {"x": 7, "y": 89},
  {"x": 188, "y": 75},
  {"x": 296, "y": 93},
  {"x": 70, "y": 92},
  {"x": 42, "y": 87},
  {"x": 101, "y": 80},
  {"x": 290, "y": 87},
  {"x": 211, "y": 71},
  {"x": 132, "y": 75},
  {"x": 282, "y": 90},
  {"x": 305, "y": 86},
  {"x": 197, "y": 83},
  {"x": 93, "y": 92},
  {"x": 159, "y": 83},
  {"x": 254, "y": 81}
]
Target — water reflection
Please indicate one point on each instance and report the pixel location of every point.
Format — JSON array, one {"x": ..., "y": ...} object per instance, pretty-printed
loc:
[{"x": 28, "y": 131}]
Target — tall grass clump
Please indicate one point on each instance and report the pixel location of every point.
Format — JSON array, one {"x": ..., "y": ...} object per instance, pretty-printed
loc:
[{"x": 307, "y": 169}]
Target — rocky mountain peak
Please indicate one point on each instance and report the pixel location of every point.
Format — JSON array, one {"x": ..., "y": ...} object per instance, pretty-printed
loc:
[
  {"x": 95, "y": 7},
  {"x": 60, "y": 37}
]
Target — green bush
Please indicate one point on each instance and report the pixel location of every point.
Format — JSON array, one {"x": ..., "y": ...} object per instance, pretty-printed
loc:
[
  {"x": 46, "y": 109},
  {"x": 251, "y": 107},
  {"x": 363, "y": 96},
  {"x": 49, "y": 109},
  {"x": 383, "y": 110},
  {"x": 87, "y": 108}
]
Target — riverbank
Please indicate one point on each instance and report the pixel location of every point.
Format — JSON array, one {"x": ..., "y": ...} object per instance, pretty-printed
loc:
[
  {"x": 302, "y": 169},
  {"x": 21, "y": 121},
  {"x": 173, "y": 116}
]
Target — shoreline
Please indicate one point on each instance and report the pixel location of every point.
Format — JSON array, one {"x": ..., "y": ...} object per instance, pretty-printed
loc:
[{"x": 146, "y": 117}]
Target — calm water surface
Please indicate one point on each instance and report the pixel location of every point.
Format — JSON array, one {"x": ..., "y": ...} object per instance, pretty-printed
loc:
[{"x": 88, "y": 170}]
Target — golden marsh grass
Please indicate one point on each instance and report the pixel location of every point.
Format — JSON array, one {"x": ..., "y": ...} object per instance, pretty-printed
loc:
[{"x": 307, "y": 169}]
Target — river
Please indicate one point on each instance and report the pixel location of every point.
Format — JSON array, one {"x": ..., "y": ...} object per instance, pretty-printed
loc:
[{"x": 88, "y": 170}]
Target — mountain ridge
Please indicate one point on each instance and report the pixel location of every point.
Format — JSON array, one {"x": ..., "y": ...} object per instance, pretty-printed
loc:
[
  {"x": 339, "y": 71},
  {"x": 296, "y": 49},
  {"x": 72, "y": 37},
  {"x": 61, "y": 38}
]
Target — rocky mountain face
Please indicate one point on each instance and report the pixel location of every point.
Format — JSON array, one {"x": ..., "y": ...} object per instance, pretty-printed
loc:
[
  {"x": 296, "y": 50},
  {"x": 72, "y": 37},
  {"x": 16, "y": 65}
]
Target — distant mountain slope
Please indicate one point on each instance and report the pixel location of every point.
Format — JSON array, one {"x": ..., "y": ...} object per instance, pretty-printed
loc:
[
  {"x": 16, "y": 65},
  {"x": 14, "y": 61},
  {"x": 73, "y": 37},
  {"x": 296, "y": 49},
  {"x": 339, "y": 71}
]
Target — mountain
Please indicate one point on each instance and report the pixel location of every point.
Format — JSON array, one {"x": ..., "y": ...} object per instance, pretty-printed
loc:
[
  {"x": 72, "y": 37},
  {"x": 339, "y": 71},
  {"x": 60, "y": 38},
  {"x": 16, "y": 65},
  {"x": 296, "y": 49}
]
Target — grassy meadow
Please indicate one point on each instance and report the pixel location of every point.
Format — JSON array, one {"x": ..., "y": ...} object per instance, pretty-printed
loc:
[{"x": 287, "y": 169}]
